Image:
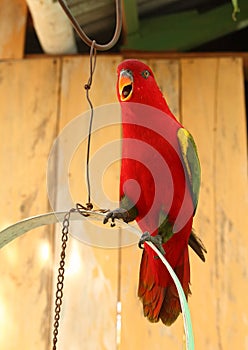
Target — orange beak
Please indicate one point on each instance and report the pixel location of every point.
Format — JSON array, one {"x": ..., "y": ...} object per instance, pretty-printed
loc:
[{"x": 125, "y": 85}]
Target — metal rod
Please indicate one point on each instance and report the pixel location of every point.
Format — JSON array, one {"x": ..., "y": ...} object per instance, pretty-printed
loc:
[{"x": 85, "y": 38}]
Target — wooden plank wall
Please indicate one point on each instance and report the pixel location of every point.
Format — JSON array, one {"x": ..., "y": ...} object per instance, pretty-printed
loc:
[
  {"x": 38, "y": 97},
  {"x": 213, "y": 95},
  {"x": 91, "y": 292},
  {"x": 13, "y": 17},
  {"x": 29, "y": 112}
]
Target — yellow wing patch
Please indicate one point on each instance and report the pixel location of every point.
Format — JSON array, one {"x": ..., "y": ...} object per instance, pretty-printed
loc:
[{"x": 190, "y": 161}]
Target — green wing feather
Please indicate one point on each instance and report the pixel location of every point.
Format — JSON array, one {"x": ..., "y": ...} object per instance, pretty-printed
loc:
[{"x": 191, "y": 162}]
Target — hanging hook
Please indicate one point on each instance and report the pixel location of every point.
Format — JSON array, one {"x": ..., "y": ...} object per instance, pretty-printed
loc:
[{"x": 85, "y": 38}]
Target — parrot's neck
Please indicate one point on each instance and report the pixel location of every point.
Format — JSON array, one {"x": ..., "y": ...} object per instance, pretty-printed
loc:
[{"x": 158, "y": 101}]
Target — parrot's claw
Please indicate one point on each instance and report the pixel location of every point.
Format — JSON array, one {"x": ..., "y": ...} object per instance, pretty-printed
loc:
[
  {"x": 118, "y": 213},
  {"x": 156, "y": 240}
]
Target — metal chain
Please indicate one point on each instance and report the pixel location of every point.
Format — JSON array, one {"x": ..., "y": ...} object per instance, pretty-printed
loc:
[{"x": 61, "y": 275}]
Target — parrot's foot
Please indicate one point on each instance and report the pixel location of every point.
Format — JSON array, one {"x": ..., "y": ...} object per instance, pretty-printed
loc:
[
  {"x": 118, "y": 213},
  {"x": 156, "y": 240}
]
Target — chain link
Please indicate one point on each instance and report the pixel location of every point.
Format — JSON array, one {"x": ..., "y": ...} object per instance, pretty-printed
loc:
[
  {"x": 85, "y": 211},
  {"x": 61, "y": 275}
]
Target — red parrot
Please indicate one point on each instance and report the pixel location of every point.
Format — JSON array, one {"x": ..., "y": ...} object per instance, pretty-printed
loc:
[{"x": 159, "y": 188}]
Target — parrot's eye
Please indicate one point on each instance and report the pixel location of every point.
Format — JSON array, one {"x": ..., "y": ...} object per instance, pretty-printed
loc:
[{"x": 145, "y": 74}]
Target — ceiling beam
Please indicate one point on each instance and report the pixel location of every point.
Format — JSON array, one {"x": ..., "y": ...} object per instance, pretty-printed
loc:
[
  {"x": 182, "y": 31},
  {"x": 130, "y": 18}
]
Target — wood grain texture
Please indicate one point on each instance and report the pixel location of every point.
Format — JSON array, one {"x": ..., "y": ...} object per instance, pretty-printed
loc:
[
  {"x": 213, "y": 111},
  {"x": 198, "y": 96},
  {"x": 13, "y": 16},
  {"x": 231, "y": 206},
  {"x": 91, "y": 282},
  {"x": 28, "y": 100}
]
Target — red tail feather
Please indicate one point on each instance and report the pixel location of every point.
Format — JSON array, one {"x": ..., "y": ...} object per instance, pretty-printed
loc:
[{"x": 160, "y": 298}]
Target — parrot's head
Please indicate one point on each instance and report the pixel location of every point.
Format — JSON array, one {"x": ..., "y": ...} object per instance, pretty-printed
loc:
[{"x": 136, "y": 83}]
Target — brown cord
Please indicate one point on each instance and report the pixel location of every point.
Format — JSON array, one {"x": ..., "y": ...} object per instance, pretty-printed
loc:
[{"x": 87, "y": 89}]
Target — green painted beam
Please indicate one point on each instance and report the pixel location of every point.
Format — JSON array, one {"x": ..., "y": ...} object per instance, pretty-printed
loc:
[
  {"x": 131, "y": 18},
  {"x": 184, "y": 31}
]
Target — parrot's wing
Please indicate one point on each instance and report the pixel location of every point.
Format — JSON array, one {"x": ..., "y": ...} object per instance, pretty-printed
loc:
[{"x": 191, "y": 162}]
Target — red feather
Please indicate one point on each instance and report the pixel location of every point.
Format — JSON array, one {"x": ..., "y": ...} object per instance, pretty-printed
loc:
[{"x": 153, "y": 178}]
